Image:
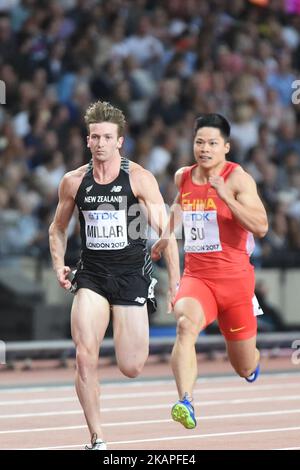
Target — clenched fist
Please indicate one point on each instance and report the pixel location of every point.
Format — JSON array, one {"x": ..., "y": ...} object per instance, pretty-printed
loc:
[
  {"x": 62, "y": 276},
  {"x": 218, "y": 183},
  {"x": 157, "y": 249}
]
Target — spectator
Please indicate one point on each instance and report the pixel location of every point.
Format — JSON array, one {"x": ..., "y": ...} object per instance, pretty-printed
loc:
[{"x": 163, "y": 63}]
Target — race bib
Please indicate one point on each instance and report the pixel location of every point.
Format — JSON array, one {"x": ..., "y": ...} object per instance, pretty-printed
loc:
[
  {"x": 257, "y": 310},
  {"x": 105, "y": 229},
  {"x": 201, "y": 231}
]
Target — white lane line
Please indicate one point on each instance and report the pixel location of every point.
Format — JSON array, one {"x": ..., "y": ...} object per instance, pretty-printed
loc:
[
  {"x": 39, "y": 401},
  {"x": 176, "y": 438},
  {"x": 243, "y": 388},
  {"x": 156, "y": 421},
  {"x": 236, "y": 401},
  {"x": 142, "y": 382}
]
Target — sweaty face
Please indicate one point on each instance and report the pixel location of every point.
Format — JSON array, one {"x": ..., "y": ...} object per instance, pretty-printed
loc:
[
  {"x": 210, "y": 148},
  {"x": 103, "y": 140}
]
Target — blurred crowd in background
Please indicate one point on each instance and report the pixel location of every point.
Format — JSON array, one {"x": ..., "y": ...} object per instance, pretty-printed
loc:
[{"x": 162, "y": 63}]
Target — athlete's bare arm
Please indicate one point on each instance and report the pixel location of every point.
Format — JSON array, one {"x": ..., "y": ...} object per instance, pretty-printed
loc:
[
  {"x": 146, "y": 189},
  {"x": 58, "y": 229},
  {"x": 175, "y": 218},
  {"x": 240, "y": 194}
]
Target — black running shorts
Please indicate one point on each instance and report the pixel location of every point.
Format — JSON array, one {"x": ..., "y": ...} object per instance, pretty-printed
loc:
[{"x": 119, "y": 287}]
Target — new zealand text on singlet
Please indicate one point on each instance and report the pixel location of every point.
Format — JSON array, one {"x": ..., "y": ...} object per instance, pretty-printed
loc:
[{"x": 110, "y": 222}]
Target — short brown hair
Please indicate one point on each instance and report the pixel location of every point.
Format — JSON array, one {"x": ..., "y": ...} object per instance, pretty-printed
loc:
[{"x": 102, "y": 111}]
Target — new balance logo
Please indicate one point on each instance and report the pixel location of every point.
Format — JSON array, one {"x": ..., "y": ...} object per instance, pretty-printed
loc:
[
  {"x": 88, "y": 188},
  {"x": 140, "y": 300},
  {"x": 116, "y": 189}
]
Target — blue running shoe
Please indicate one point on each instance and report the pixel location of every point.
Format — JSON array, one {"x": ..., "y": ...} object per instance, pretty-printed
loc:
[
  {"x": 183, "y": 412},
  {"x": 254, "y": 375}
]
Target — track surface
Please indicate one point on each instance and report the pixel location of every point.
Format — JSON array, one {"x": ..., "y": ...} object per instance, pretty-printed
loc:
[{"x": 39, "y": 408}]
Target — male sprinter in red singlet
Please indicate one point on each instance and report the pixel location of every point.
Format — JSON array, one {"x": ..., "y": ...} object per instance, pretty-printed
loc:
[
  {"x": 115, "y": 198},
  {"x": 221, "y": 211}
]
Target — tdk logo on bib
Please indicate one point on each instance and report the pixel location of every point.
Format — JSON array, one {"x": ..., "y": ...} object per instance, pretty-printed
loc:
[
  {"x": 105, "y": 230},
  {"x": 201, "y": 232},
  {"x": 100, "y": 215},
  {"x": 198, "y": 216}
]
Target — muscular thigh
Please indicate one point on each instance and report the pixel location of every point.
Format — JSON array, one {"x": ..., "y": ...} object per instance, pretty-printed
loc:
[
  {"x": 89, "y": 318},
  {"x": 239, "y": 322},
  {"x": 195, "y": 300},
  {"x": 238, "y": 307},
  {"x": 131, "y": 329}
]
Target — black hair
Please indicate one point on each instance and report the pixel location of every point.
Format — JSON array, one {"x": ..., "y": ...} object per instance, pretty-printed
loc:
[{"x": 213, "y": 120}]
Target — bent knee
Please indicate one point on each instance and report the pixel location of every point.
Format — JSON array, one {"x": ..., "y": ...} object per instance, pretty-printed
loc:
[
  {"x": 131, "y": 370},
  {"x": 188, "y": 326},
  {"x": 244, "y": 371},
  {"x": 131, "y": 366}
]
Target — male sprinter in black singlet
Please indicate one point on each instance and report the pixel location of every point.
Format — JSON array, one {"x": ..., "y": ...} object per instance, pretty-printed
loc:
[{"x": 115, "y": 199}]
